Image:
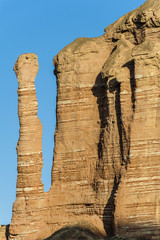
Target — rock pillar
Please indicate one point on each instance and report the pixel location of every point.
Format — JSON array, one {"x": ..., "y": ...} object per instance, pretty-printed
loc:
[
  {"x": 29, "y": 147},
  {"x": 29, "y": 192}
]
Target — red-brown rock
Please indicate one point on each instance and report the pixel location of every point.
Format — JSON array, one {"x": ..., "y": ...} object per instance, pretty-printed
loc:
[{"x": 106, "y": 171}]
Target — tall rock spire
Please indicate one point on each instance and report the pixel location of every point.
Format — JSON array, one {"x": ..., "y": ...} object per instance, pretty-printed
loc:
[
  {"x": 29, "y": 147},
  {"x": 29, "y": 192}
]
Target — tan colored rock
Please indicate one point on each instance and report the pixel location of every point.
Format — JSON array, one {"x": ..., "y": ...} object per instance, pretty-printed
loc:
[
  {"x": 138, "y": 196},
  {"x": 29, "y": 205},
  {"x": 3, "y": 232},
  {"x": 107, "y": 142}
]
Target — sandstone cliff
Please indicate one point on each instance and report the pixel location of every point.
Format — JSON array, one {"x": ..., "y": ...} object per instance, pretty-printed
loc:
[{"x": 106, "y": 171}]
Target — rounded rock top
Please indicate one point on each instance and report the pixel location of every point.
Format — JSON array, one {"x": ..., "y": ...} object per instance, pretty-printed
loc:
[{"x": 26, "y": 58}]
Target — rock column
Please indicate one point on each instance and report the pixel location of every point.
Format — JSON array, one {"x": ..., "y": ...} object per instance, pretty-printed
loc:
[
  {"x": 29, "y": 192},
  {"x": 29, "y": 147}
]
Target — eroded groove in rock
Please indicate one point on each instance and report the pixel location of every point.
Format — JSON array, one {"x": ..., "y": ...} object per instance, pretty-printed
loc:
[{"x": 139, "y": 190}]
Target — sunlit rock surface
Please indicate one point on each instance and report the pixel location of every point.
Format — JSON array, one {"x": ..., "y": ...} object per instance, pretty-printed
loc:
[
  {"x": 106, "y": 170},
  {"x": 29, "y": 208},
  {"x": 3, "y": 232}
]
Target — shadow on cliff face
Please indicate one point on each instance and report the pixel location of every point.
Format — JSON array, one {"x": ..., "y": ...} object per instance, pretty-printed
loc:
[
  {"x": 100, "y": 90},
  {"x": 7, "y": 232},
  {"x": 79, "y": 233},
  {"x": 131, "y": 66},
  {"x": 124, "y": 141},
  {"x": 124, "y": 145},
  {"x": 73, "y": 233}
]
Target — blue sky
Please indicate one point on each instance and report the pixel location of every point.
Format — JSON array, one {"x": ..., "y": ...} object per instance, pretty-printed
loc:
[{"x": 44, "y": 28}]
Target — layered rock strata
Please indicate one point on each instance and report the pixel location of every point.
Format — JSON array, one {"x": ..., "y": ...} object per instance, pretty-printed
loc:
[
  {"x": 28, "y": 207},
  {"x": 106, "y": 167}
]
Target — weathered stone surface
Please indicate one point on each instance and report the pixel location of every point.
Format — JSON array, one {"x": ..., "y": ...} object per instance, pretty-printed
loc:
[
  {"x": 29, "y": 206},
  {"x": 2, "y": 232},
  {"x": 78, "y": 233},
  {"x": 106, "y": 171}
]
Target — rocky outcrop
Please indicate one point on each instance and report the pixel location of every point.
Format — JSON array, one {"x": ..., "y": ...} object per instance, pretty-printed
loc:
[
  {"x": 106, "y": 168},
  {"x": 29, "y": 205},
  {"x": 3, "y": 232}
]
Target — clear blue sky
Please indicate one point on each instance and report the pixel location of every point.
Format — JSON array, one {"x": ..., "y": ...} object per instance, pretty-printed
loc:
[{"x": 44, "y": 28}]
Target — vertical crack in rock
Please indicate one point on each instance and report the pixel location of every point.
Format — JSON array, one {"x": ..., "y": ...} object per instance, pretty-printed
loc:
[
  {"x": 131, "y": 66},
  {"x": 110, "y": 112},
  {"x": 100, "y": 92},
  {"x": 7, "y": 232},
  {"x": 124, "y": 145}
]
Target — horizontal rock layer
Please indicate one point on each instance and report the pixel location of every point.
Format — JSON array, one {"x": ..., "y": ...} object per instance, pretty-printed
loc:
[{"x": 28, "y": 208}]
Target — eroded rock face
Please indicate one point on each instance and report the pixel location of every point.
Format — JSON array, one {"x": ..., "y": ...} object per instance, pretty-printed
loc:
[
  {"x": 29, "y": 202},
  {"x": 3, "y": 232},
  {"x": 106, "y": 167}
]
